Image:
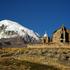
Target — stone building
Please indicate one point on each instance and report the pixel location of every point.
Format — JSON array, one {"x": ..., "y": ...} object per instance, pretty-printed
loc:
[
  {"x": 61, "y": 35},
  {"x": 44, "y": 39}
]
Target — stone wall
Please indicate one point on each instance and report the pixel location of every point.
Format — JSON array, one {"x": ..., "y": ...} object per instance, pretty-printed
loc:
[
  {"x": 62, "y": 35},
  {"x": 56, "y": 36},
  {"x": 69, "y": 34},
  {"x": 44, "y": 40}
]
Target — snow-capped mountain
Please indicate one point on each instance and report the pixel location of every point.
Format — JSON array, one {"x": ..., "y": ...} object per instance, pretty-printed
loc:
[
  {"x": 10, "y": 28},
  {"x": 45, "y": 35}
]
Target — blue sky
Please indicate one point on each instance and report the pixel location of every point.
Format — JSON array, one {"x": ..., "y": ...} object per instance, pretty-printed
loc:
[{"x": 39, "y": 15}]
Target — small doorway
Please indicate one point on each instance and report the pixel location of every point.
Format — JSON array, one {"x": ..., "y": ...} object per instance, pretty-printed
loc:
[{"x": 44, "y": 40}]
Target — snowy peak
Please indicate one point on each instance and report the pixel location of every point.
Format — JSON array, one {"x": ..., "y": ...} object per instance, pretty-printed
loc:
[
  {"x": 12, "y": 24},
  {"x": 9, "y": 25},
  {"x": 45, "y": 35}
]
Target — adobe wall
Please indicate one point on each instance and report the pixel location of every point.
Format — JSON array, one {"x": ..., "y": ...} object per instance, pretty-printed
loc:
[
  {"x": 49, "y": 46},
  {"x": 56, "y": 36},
  {"x": 44, "y": 40}
]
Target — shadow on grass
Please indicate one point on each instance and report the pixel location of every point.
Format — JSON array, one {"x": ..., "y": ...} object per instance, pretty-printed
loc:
[{"x": 14, "y": 64}]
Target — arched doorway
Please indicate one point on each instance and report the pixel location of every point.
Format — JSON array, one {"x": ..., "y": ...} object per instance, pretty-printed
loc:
[{"x": 44, "y": 40}]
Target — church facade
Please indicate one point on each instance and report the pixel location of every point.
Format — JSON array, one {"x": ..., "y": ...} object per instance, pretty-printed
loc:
[{"x": 61, "y": 35}]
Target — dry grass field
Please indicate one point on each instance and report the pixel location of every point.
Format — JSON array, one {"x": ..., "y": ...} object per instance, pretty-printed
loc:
[{"x": 36, "y": 57}]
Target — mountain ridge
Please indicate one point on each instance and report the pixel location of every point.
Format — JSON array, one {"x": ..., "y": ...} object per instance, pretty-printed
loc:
[{"x": 10, "y": 29}]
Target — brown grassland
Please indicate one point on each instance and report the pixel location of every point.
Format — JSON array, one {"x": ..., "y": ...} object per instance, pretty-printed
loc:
[{"x": 36, "y": 57}]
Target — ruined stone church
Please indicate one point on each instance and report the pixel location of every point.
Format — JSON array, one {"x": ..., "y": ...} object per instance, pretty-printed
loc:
[{"x": 61, "y": 35}]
